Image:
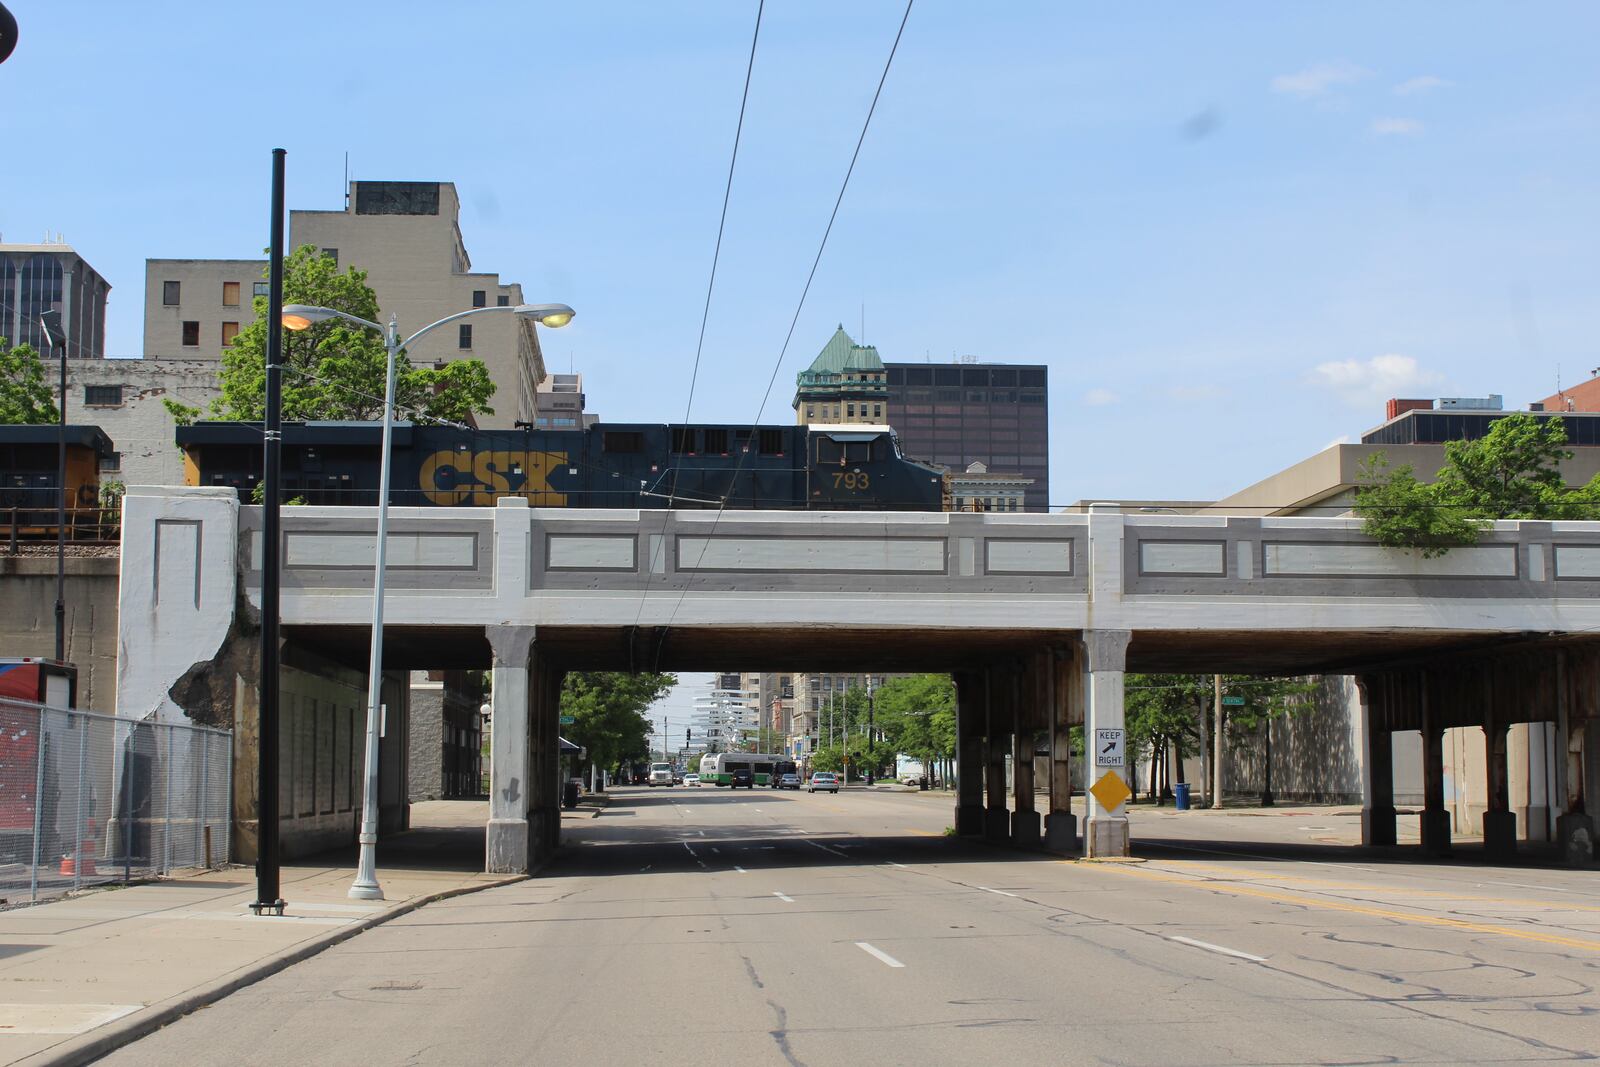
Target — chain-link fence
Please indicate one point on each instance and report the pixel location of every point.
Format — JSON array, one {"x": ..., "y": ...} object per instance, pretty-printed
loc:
[{"x": 88, "y": 798}]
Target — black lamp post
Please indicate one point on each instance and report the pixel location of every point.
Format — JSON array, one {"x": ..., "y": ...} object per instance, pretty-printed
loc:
[{"x": 56, "y": 338}]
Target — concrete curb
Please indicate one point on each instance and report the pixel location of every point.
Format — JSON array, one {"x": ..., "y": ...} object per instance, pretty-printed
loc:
[{"x": 86, "y": 1048}]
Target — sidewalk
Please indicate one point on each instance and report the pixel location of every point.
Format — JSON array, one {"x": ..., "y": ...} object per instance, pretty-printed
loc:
[{"x": 82, "y": 976}]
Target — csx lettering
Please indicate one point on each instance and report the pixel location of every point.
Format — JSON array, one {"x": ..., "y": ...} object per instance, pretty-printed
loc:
[{"x": 480, "y": 478}]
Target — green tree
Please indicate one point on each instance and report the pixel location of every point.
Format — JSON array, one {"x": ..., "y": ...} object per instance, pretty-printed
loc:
[
  {"x": 335, "y": 370},
  {"x": 1513, "y": 472},
  {"x": 916, "y": 716},
  {"x": 24, "y": 394},
  {"x": 608, "y": 709}
]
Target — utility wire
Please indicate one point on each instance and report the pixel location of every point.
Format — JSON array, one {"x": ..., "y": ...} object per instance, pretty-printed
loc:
[
  {"x": 799, "y": 307},
  {"x": 711, "y": 284}
]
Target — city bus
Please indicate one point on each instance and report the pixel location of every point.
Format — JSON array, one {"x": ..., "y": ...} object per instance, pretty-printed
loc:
[{"x": 717, "y": 767}]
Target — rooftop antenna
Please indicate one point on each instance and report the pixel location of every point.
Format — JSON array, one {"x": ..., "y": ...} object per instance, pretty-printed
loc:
[{"x": 346, "y": 188}]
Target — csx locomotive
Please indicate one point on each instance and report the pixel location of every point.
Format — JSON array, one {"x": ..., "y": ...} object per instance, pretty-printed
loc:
[{"x": 607, "y": 465}]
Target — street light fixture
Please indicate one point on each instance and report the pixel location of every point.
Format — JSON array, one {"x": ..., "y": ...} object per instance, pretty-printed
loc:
[{"x": 302, "y": 317}]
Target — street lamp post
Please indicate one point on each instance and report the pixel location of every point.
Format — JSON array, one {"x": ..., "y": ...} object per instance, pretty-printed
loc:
[
  {"x": 56, "y": 338},
  {"x": 301, "y": 317}
]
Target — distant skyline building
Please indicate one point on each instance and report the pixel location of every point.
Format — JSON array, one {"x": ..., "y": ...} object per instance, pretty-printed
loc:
[
  {"x": 560, "y": 405},
  {"x": 996, "y": 414},
  {"x": 52, "y": 276},
  {"x": 844, "y": 384}
]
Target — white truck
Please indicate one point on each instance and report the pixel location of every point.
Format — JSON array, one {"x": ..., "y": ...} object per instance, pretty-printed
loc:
[{"x": 660, "y": 774}]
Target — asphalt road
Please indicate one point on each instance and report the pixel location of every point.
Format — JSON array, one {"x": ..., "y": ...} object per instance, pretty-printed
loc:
[{"x": 698, "y": 926}]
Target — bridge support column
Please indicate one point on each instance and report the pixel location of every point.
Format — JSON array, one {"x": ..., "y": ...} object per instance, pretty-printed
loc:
[
  {"x": 508, "y": 840},
  {"x": 1064, "y": 708},
  {"x": 1105, "y": 758},
  {"x": 1001, "y": 726},
  {"x": 1026, "y": 684},
  {"x": 1575, "y": 830},
  {"x": 1499, "y": 821},
  {"x": 971, "y": 721},
  {"x": 1377, "y": 795},
  {"x": 1435, "y": 818}
]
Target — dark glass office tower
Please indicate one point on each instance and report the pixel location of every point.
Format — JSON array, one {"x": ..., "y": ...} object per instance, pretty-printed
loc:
[{"x": 955, "y": 414}]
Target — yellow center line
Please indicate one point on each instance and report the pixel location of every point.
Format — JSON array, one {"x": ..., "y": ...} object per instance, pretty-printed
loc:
[{"x": 1355, "y": 909}]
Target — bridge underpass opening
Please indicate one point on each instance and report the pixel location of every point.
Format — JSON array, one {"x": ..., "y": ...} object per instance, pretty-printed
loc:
[{"x": 1020, "y": 693}]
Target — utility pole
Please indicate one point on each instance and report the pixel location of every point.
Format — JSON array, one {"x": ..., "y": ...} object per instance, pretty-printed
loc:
[{"x": 872, "y": 734}]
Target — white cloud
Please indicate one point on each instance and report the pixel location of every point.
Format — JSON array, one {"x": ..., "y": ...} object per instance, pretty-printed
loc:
[
  {"x": 1318, "y": 80},
  {"x": 1396, "y": 127},
  {"x": 1363, "y": 384},
  {"x": 1423, "y": 84},
  {"x": 1099, "y": 398}
]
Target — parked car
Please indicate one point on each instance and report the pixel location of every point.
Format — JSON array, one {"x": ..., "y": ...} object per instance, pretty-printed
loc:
[
  {"x": 691, "y": 780},
  {"x": 823, "y": 780},
  {"x": 787, "y": 781},
  {"x": 743, "y": 777}
]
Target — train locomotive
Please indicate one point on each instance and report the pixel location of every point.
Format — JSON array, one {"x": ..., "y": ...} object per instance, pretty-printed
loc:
[
  {"x": 28, "y": 480},
  {"x": 607, "y": 465}
]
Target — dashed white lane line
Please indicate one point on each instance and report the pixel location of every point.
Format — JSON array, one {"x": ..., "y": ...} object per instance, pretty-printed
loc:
[
  {"x": 902, "y": 866},
  {"x": 1000, "y": 892},
  {"x": 786, "y": 898},
  {"x": 825, "y": 848},
  {"x": 686, "y": 847},
  {"x": 878, "y": 953},
  {"x": 740, "y": 869},
  {"x": 1209, "y": 947}
]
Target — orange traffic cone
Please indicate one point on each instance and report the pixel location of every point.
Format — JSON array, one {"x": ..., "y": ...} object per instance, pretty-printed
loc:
[{"x": 81, "y": 865}]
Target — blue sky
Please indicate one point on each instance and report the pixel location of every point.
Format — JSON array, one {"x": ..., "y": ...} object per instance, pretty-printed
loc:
[{"x": 1231, "y": 230}]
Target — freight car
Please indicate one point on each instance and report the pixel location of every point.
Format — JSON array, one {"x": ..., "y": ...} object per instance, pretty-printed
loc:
[
  {"x": 28, "y": 494},
  {"x": 608, "y": 465}
]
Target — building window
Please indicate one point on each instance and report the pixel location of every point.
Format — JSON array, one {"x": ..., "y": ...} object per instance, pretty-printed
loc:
[
  {"x": 261, "y": 289},
  {"x": 877, "y": 411},
  {"x": 811, "y": 413},
  {"x": 191, "y": 333},
  {"x": 230, "y": 330},
  {"x": 849, "y": 411},
  {"x": 480, "y": 298},
  {"x": 102, "y": 396},
  {"x": 113, "y": 463},
  {"x": 464, "y": 336},
  {"x": 502, "y": 301},
  {"x": 169, "y": 294},
  {"x": 331, "y": 253},
  {"x": 230, "y": 294}
]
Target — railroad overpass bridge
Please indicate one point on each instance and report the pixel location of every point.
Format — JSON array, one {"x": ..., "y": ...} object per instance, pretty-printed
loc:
[{"x": 1037, "y": 616}]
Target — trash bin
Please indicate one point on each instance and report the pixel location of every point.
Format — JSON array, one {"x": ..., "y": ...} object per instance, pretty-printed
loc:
[
  {"x": 1181, "y": 790},
  {"x": 569, "y": 793}
]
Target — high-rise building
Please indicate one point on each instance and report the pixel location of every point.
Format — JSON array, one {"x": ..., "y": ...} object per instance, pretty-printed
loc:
[
  {"x": 844, "y": 384},
  {"x": 955, "y": 415},
  {"x": 560, "y": 403},
  {"x": 726, "y": 718},
  {"x": 407, "y": 237},
  {"x": 52, "y": 277}
]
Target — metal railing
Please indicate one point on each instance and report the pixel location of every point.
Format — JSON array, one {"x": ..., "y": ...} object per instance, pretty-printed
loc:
[
  {"x": 88, "y": 799},
  {"x": 22, "y": 523}
]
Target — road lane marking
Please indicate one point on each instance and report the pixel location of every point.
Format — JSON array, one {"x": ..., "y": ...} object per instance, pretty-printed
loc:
[
  {"x": 740, "y": 869},
  {"x": 1354, "y": 909},
  {"x": 825, "y": 848},
  {"x": 879, "y": 953},
  {"x": 1209, "y": 947},
  {"x": 1001, "y": 892},
  {"x": 685, "y": 844},
  {"x": 717, "y": 850},
  {"x": 786, "y": 898},
  {"x": 902, "y": 866}
]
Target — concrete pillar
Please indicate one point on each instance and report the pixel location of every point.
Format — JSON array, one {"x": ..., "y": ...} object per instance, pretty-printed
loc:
[
  {"x": 1025, "y": 687},
  {"x": 1378, "y": 768},
  {"x": 1499, "y": 821},
  {"x": 1001, "y": 723},
  {"x": 508, "y": 842},
  {"x": 1435, "y": 817},
  {"x": 1064, "y": 707},
  {"x": 1377, "y": 779},
  {"x": 1575, "y": 828},
  {"x": 1539, "y": 745},
  {"x": 970, "y": 724},
  {"x": 1106, "y": 652}
]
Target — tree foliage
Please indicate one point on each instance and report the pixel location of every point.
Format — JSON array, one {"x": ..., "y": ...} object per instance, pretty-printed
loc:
[
  {"x": 1513, "y": 472},
  {"x": 1163, "y": 711},
  {"x": 608, "y": 709},
  {"x": 335, "y": 370},
  {"x": 24, "y": 395}
]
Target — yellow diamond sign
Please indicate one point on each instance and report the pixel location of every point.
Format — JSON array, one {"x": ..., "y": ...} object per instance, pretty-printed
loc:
[{"x": 1111, "y": 791}]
